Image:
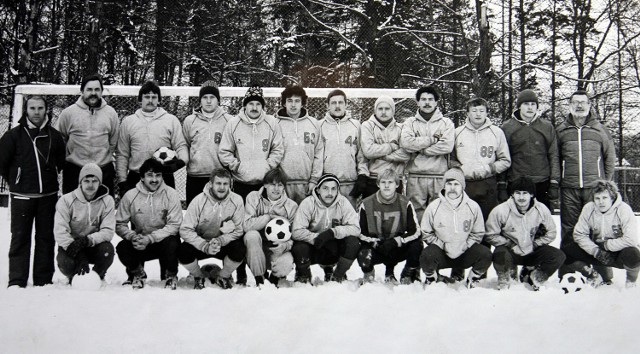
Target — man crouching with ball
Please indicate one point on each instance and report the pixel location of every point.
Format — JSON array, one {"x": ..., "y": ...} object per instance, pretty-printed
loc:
[{"x": 262, "y": 206}]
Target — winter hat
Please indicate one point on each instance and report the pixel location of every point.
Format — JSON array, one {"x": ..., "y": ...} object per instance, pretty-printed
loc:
[
  {"x": 328, "y": 177},
  {"x": 527, "y": 96},
  {"x": 455, "y": 174},
  {"x": 388, "y": 100},
  {"x": 90, "y": 169},
  {"x": 524, "y": 184},
  {"x": 209, "y": 89},
  {"x": 254, "y": 93}
]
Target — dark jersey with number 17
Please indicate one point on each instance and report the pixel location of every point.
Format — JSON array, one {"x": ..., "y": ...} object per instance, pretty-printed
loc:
[{"x": 380, "y": 219}]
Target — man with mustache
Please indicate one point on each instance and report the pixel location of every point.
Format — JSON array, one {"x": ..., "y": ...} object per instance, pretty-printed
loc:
[
  {"x": 90, "y": 127},
  {"x": 144, "y": 132},
  {"x": 586, "y": 154},
  {"x": 155, "y": 213},
  {"x": 84, "y": 225}
]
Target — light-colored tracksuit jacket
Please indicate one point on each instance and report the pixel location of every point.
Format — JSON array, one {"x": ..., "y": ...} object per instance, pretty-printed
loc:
[
  {"x": 303, "y": 147},
  {"x": 258, "y": 204},
  {"x": 481, "y": 153},
  {"x": 139, "y": 138},
  {"x": 314, "y": 217},
  {"x": 205, "y": 215},
  {"x": 203, "y": 136},
  {"x": 453, "y": 228},
  {"x": 250, "y": 148},
  {"x": 342, "y": 154},
  {"x": 376, "y": 144},
  {"x": 91, "y": 133},
  {"x": 157, "y": 215},
  {"x": 616, "y": 229},
  {"x": 77, "y": 217},
  {"x": 505, "y": 223},
  {"x": 429, "y": 143}
]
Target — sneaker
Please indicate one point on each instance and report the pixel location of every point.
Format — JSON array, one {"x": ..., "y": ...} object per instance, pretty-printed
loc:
[
  {"x": 369, "y": 277},
  {"x": 137, "y": 282},
  {"x": 172, "y": 282},
  {"x": 337, "y": 279},
  {"x": 274, "y": 279},
  {"x": 328, "y": 271},
  {"x": 259, "y": 280},
  {"x": 198, "y": 283},
  {"x": 409, "y": 275},
  {"x": 525, "y": 273},
  {"x": 430, "y": 279},
  {"x": 224, "y": 283},
  {"x": 241, "y": 274},
  {"x": 503, "y": 281},
  {"x": 444, "y": 279},
  {"x": 302, "y": 279},
  {"x": 593, "y": 277},
  {"x": 391, "y": 279},
  {"x": 473, "y": 279}
]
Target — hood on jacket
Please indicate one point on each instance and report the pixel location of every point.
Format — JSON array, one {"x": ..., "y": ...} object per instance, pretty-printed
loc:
[
  {"x": 25, "y": 122},
  {"x": 218, "y": 113},
  {"x": 80, "y": 103},
  {"x": 102, "y": 192},
  {"x": 377, "y": 123},
  {"x": 282, "y": 114},
  {"x": 243, "y": 117},
  {"x": 614, "y": 206},
  {"x": 487, "y": 124},
  {"x": 207, "y": 192},
  {"x": 318, "y": 201},
  {"x": 516, "y": 115},
  {"x": 159, "y": 112},
  {"x": 332, "y": 120},
  {"x": 437, "y": 115}
]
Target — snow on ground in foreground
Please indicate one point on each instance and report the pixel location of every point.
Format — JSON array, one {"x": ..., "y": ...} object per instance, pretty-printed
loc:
[{"x": 329, "y": 318}]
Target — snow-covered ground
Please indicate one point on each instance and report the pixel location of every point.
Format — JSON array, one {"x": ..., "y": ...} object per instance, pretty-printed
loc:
[{"x": 331, "y": 318}]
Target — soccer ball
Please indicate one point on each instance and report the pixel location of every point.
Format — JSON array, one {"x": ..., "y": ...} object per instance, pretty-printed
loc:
[
  {"x": 164, "y": 154},
  {"x": 572, "y": 282},
  {"x": 278, "y": 230},
  {"x": 211, "y": 271}
]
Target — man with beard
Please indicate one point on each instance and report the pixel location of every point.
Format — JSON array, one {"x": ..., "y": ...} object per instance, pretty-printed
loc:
[
  {"x": 84, "y": 225},
  {"x": 325, "y": 232},
  {"x": 262, "y": 206},
  {"x": 429, "y": 137},
  {"x": 379, "y": 141},
  {"x": 203, "y": 132},
  {"x": 342, "y": 153},
  {"x": 303, "y": 144},
  {"x": 521, "y": 230},
  {"x": 155, "y": 213},
  {"x": 90, "y": 127},
  {"x": 452, "y": 226},
  {"x": 587, "y": 154},
  {"x": 144, "y": 132},
  {"x": 212, "y": 227},
  {"x": 31, "y": 155}
]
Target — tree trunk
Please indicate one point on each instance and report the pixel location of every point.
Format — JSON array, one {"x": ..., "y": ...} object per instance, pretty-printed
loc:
[{"x": 93, "y": 12}]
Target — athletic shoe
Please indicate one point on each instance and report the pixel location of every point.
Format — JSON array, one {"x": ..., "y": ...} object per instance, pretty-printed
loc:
[
  {"x": 224, "y": 283},
  {"x": 198, "y": 283},
  {"x": 172, "y": 282}
]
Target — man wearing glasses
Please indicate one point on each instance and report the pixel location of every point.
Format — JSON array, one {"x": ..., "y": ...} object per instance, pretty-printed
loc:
[{"x": 587, "y": 154}]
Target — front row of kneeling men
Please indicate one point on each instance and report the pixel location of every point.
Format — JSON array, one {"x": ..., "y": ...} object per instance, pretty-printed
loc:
[{"x": 327, "y": 231}]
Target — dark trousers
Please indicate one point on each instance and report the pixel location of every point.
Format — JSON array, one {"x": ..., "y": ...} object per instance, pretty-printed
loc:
[
  {"x": 485, "y": 193},
  {"x": 571, "y": 200},
  {"x": 100, "y": 255},
  {"x": 369, "y": 257},
  {"x": 235, "y": 250},
  {"x": 305, "y": 254},
  {"x": 23, "y": 214},
  {"x": 72, "y": 172},
  {"x": 134, "y": 177},
  {"x": 165, "y": 251},
  {"x": 372, "y": 187},
  {"x": 195, "y": 186},
  {"x": 243, "y": 189},
  {"x": 627, "y": 258},
  {"x": 542, "y": 193},
  {"x": 546, "y": 258},
  {"x": 478, "y": 257}
]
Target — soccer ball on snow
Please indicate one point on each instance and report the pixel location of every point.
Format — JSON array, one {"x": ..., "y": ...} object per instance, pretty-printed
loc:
[
  {"x": 164, "y": 154},
  {"x": 572, "y": 282},
  {"x": 278, "y": 230}
]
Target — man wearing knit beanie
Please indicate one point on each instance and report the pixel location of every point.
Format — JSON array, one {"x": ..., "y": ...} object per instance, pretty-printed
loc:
[
  {"x": 533, "y": 147},
  {"x": 521, "y": 230},
  {"x": 380, "y": 143},
  {"x": 453, "y": 227},
  {"x": 325, "y": 232},
  {"x": 429, "y": 137},
  {"x": 203, "y": 131},
  {"x": 86, "y": 240}
]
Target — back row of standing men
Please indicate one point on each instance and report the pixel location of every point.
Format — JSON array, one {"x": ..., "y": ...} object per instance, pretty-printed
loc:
[{"x": 568, "y": 159}]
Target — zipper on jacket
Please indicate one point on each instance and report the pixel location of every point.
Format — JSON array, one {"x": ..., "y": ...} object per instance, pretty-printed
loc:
[
  {"x": 563, "y": 161},
  {"x": 253, "y": 138},
  {"x": 35, "y": 152},
  {"x": 580, "y": 157},
  {"x": 18, "y": 176},
  {"x": 599, "y": 158}
]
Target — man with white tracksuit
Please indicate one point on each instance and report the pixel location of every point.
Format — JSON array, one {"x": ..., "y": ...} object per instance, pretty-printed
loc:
[
  {"x": 325, "y": 232},
  {"x": 261, "y": 207},
  {"x": 343, "y": 156},
  {"x": 380, "y": 144},
  {"x": 202, "y": 131},
  {"x": 303, "y": 144},
  {"x": 429, "y": 137}
]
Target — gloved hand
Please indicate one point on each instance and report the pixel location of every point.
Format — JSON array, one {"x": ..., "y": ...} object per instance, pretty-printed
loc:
[
  {"x": 503, "y": 194},
  {"x": 554, "y": 191},
  {"x": 82, "y": 264},
  {"x": 214, "y": 246},
  {"x": 542, "y": 230},
  {"x": 173, "y": 165},
  {"x": 323, "y": 237},
  {"x": 77, "y": 245},
  {"x": 122, "y": 189},
  {"x": 359, "y": 187},
  {"x": 227, "y": 227},
  {"x": 388, "y": 246},
  {"x": 605, "y": 257}
]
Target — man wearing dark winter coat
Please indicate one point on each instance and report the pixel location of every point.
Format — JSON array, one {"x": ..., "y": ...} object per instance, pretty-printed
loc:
[
  {"x": 84, "y": 225},
  {"x": 32, "y": 155}
]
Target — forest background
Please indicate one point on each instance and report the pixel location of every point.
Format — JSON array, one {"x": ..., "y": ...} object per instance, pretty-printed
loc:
[{"x": 491, "y": 49}]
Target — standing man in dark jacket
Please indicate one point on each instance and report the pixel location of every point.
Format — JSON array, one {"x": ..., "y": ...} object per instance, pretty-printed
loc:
[
  {"x": 587, "y": 154},
  {"x": 32, "y": 154}
]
